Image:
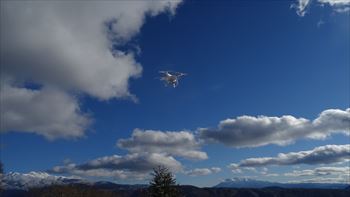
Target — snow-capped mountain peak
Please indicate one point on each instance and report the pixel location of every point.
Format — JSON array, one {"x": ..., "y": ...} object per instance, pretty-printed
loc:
[{"x": 15, "y": 180}]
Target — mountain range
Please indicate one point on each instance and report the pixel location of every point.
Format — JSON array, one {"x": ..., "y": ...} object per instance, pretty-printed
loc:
[
  {"x": 19, "y": 181},
  {"x": 252, "y": 183}
]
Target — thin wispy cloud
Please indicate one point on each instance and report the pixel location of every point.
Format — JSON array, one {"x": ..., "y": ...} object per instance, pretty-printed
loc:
[
  {"x": 302, "y": 6},
  {"x": 321, "y": 171},
  {"x": 202, "y": 171},
  {"x": 328, "y": 180}
]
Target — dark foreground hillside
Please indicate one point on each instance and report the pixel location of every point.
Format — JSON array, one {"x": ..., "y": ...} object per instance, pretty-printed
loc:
[{"x": 188, "y": 191}]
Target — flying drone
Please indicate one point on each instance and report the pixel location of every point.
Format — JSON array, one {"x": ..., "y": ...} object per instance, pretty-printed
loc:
[{"x": 171, "y": 78}]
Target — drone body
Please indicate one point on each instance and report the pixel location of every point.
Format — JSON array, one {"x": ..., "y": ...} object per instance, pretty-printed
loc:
[{"x": 171, "y": 78}]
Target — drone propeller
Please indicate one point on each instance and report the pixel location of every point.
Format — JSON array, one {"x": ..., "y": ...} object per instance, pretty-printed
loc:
[
  {"x": 180, "y": 74},
  {"x": 164, "y": 71}
]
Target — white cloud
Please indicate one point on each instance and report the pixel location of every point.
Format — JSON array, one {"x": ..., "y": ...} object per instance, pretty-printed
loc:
[
  {"x": 335, "y": 2},
  {"x": 147, "y": 150},
  {"x": 202, "y": 171},
  {"x": 67, "y": 44},
  {"x": 249, "y": 131},
  {"x": 73, "y": 46},
  {"x": 270, "y": 174},
  {"x": 319, "y": 155},
  {"x": 321, "y": 171},
  {"x": 342, "y": 9},
  {"x": 215, "y": 169},
  {"x": 48, "y": 112},
  {"x": 237, "y": 169},
  {"x": 130, "y": 166},
  {"x": 338, "y": 5},
  {"x": 180, "y": 143}
]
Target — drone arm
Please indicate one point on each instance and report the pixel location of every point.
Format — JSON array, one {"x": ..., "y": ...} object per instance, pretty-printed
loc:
[{"x": 176, "y": 83}]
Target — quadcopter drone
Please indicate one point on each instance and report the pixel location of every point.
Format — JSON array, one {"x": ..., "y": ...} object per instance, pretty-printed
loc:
[{"x": 171, "y": 78}]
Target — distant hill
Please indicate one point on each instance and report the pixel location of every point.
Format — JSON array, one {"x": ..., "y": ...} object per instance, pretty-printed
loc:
[
  {"x": 114, "y": 186},
  {"x": 245, "y": 183},
  {"x": 252, "y": 183}
]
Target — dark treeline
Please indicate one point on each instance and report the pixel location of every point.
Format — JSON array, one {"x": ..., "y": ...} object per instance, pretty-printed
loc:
[{"x": 188, "y": 191}]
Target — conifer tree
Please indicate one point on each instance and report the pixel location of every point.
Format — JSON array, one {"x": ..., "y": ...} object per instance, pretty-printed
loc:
[{"x": 163, "y": 183}]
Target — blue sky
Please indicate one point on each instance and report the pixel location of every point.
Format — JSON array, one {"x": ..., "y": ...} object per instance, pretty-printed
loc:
[{"x": 243, "y": 58}]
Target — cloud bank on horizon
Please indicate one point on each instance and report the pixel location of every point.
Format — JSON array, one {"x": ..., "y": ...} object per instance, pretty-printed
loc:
[
  {"x": 131, "y": 166},
  {"x": 138, "y": 165},
  {"x": 320, "y": 155},
  {"x": 327, "y": 174},
  {"x": 321, "y": 171},
  {"x": 148, "y": 148}
]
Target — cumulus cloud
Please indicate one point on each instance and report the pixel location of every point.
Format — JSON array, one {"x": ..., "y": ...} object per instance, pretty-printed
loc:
[
  {"x": 68, "y": 44},
  {"x": 302, "y": 6},
  {"x": 74, "y": 46},
  {"x": 180, "y": 143},
  {"x": 249, "y": 131},
  {"x": 203, "y": 171},
  {"x": 147, "y": 150},
  {"x": 319, "y": 155},
  {"x": 130, "y": 166},
  {"x": 48, "y": 112},
  {"x": 321, "y": 171}
]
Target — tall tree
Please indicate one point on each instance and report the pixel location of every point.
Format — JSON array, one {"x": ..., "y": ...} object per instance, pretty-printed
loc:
[{"x": 163, "y": 183}]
